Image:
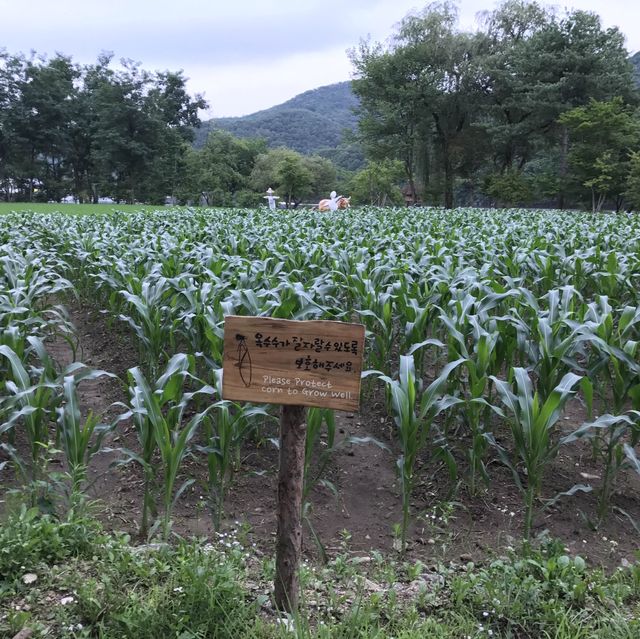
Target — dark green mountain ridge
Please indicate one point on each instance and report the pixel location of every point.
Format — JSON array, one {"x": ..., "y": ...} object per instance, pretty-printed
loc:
[{"x": 308, "y": 123}]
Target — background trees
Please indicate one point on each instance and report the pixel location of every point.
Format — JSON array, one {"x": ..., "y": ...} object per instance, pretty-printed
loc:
[
  {"x": 603, "y": 136},
  {"x": 537, "y": 106},
  {"x": 483, "y": 112},
  {"x": 294, "y": 176},
  {"x": 84, "y": 131}
]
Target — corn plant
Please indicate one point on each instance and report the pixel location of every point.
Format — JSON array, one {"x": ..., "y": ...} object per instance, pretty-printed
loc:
[
  {"x": 152, "y": 321},
  {"x": 478, "y": 368},
  {"x": 614, "y": 433},
  {"x": 225, "y": 428},
  {"x": 80, "y": 441},
  {"x": 613, "y": 359},
  {"x": 555, "y": 340},
  {"x": 532, "y": 423},
  {"x": 414, "y": 417},
  {"x": 378, "y": 320},
  {"x": 158, "y": 413},
  {"x": 32, "y": 405}
]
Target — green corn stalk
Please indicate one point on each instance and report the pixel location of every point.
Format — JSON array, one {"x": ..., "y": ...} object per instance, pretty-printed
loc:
[
  {"x": 532, "y": 425},
  {"x": 80, "y": 442},
  {"x": 152, "y": 321},
  {"x": 380, "y": 327},
  {"x": 615, "y": 347},
  {"x": 224, "y": 430},
  {"x": 33, "y": 406},
  {"x": 414, "y": 417},
  {"x": 157, "y": 411},
  {"x": 614, "y": 433},
  {"x": 478, "y": 367}
]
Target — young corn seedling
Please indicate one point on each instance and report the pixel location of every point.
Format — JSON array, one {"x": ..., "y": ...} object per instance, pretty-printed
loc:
[
  {"x": 614, "y": 433},
  {"x": 477, "y": 347},
  {"x": 532, "y": 425},
  {"x": 80, "y": 441},
  {"x": 225, "y": 429},
  {"x": 158, "y": 411},
  {"x": 414, "y": 417},
  {"x": 32, "y": 405}
]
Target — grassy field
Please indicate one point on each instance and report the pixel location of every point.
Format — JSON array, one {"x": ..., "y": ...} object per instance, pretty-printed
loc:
[{"x": 75, "y": 209}]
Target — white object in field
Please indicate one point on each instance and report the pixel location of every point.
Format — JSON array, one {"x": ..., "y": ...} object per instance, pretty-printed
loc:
[
  {"x": 271, "y": 199},
  {"x": 333, "y": 201}
]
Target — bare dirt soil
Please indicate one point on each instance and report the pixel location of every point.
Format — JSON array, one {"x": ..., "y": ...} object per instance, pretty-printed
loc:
[{"x": 448, "y": 525}]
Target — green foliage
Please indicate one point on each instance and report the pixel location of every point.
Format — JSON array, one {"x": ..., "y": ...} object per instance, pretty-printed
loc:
[
  {"x": 479, "y": 108},
  {"x": 28, "y": 538},
  {"x": 377, "y": 184},
  {"x": 632, "y": 193},
  {"x": 218, "y": 173},
  {"x": 91, "y": 130},
  {"x": 194, "y": 590},
  {"x": 189, "y": 591},
  {"x": 292, "y": 175},
  {"x": 509, "y": 188},
  {"x": 603, "y": 134},
  {"x": 545, "y": 592}
]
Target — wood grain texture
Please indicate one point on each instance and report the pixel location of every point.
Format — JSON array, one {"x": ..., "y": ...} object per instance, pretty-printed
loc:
[
  {"x": 304, "y": 363},
  {"x": 293, "y": 432}
]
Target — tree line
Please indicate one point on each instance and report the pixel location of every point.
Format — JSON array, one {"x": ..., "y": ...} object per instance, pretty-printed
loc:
[
  {"x": 535, "y": 106},
  {"x": 92, "y": 130}
]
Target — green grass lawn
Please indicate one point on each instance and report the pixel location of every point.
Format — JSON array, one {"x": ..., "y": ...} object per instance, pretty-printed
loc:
[{"x": 77, "y": 209}]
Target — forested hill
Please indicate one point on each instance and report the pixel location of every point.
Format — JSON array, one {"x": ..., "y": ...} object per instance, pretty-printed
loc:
[
  {"x": 635, "y": 61},
  {"x": 308, "y": 122}
]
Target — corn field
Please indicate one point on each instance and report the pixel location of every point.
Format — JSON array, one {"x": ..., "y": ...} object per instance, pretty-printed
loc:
[{"x": 482, "y": 328}]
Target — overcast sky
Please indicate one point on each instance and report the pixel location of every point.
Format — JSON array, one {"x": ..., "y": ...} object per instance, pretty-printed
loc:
[{"x": 243, "y": 55}]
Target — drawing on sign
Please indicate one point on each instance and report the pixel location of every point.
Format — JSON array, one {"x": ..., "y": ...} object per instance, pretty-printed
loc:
[{"x": 244, "y": 360}]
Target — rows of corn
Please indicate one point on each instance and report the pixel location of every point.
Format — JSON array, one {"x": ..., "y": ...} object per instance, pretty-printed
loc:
[{"x": 482, "y": 327}]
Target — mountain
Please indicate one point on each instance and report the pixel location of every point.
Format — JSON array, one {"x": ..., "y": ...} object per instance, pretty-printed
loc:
[
  {"x": 635, "y": 61},
  {"x": 308, "y": 123}
]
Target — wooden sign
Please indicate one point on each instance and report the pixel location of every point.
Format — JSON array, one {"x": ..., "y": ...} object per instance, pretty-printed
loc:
[{"x": 304, "y": 363}]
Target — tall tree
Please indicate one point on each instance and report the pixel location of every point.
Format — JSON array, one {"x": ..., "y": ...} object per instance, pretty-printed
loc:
[
  {"x": 219, "y": 172},
  {"x": 424, "y": 89},
  {"x": 603, "y": 136},
  {"x": 294, "y": 176},
  {"x": 141, "y": 122}
]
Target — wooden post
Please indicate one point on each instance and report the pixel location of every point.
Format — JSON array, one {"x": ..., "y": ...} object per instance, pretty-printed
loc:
[{"x": 293, "y": 431}]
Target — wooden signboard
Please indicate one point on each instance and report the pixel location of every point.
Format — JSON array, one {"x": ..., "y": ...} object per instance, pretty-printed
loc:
[{"x": 303, "y": 363}]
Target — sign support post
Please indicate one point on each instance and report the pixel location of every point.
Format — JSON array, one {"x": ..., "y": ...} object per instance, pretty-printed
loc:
[
  {"x": 293, "y": 432},
  {"x": 295, "y": 364}
]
